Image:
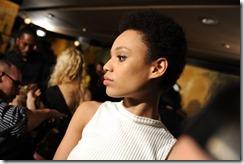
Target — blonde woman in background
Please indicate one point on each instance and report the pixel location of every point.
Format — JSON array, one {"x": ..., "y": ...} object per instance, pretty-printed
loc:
[
  {"x": 68, "y": 76},
  {"x": 65, "y": 92}
]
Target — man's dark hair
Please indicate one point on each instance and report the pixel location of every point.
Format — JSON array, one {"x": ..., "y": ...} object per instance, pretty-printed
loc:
[
  {"x": 163, "y": 37},
  {"x": 27, "y": 30},
  {"x": 4, "y": 62}
]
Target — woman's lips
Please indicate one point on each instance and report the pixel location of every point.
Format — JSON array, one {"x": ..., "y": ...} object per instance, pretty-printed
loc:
[{"x": 107, "y": 81}]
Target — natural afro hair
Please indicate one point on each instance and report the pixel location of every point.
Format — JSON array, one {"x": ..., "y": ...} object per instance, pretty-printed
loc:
[{"x": 163, "y": 37}]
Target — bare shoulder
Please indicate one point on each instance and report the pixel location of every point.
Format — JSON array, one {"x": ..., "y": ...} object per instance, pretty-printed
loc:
[
  {"x": 89, "y": 106},
  {"x": 87, "y": 109}
]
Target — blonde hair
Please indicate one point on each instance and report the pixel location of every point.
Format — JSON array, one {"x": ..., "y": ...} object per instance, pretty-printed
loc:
[{"x": 70, "y": 66}]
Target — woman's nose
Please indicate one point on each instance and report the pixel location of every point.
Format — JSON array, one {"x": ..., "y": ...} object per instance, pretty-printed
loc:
[{"x": 107, "y": 66}]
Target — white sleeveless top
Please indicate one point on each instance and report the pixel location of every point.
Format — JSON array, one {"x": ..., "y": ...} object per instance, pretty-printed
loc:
[{"x": 113, "y": 133}]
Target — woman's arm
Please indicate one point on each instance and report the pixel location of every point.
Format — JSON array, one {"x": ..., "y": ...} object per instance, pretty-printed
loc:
[
  {"x": 36, "y": 117},
  {"x": 73, "y": 133}
]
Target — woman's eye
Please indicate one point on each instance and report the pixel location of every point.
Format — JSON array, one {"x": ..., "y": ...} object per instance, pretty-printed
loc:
[{"x": 121, "y": 58}]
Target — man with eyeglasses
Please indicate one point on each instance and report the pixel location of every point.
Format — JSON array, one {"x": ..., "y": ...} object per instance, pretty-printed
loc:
[{"x": 17, "y": 121}]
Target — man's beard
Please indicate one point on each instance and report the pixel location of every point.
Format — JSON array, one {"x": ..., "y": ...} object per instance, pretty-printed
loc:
[{"x": 7, "y": 98}]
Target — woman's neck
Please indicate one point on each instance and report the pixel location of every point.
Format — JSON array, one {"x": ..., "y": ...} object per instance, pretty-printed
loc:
[{"x": 146, "y": 107}]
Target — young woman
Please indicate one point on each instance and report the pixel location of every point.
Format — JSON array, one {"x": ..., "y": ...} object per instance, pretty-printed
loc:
[{"x": 146, "y": 58}]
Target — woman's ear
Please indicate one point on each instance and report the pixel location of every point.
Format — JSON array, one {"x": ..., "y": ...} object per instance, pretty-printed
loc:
[{"x": 158, "y": 67}]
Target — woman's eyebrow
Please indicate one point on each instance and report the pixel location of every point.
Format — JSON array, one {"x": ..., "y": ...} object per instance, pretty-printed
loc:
[{"x": 122, "y": 47}]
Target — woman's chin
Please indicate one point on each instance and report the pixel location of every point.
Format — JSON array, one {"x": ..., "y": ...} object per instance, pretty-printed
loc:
[{"x": 113, "y": 95}]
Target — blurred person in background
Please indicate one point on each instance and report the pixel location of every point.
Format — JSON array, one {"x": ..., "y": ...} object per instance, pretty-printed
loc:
[
  {"x": 99, "y": 70},
  {"x": 65, "y": 93},
  {"x": 214, "y": 134},
  {"x": 17, "y": 121},
  {"x": 67, "y": 78},
  {"x": 27, "y": 59}
]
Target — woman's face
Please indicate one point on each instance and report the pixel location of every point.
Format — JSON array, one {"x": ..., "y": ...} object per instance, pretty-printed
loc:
[{"x": 127, "y": 71}]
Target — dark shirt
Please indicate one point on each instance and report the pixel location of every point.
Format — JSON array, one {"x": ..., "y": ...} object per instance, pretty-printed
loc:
[
  {"x": 33, "y": 69},
  {"x": 13, "y": 122},
  {"x": 53, "y": 98},
  {"x": 52, "y": 133}
]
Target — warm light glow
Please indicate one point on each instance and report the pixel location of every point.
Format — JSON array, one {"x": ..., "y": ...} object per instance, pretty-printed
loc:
[
  {"x": 27, "y": 20},
  {"x": 76, "y": 43},
  {"x": 226, "y": 45}
]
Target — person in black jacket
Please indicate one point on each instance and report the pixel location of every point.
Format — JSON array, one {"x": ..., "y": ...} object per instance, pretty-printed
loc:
[{"x": 27, "y": 59}]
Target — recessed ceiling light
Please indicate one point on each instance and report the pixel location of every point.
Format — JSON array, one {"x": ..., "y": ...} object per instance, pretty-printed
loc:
[
  {"x": 76, "y": 43},
  {"x": 226, "y": 45},
  {"x": 84, "y": 29},
  {"x": 40, "y": 33},
  {"x": 27, "y": 20},
  {"x": 50, "y": 15},
  {"x": 209, "y": 21},
  {"x": 176, "y": 87}
]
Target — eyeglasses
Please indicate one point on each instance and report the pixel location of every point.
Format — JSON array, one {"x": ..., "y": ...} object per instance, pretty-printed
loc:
[{"x": 16, "y": 82}]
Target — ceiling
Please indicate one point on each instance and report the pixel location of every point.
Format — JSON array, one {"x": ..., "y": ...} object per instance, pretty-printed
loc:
[{"x": 97, "y": 20}]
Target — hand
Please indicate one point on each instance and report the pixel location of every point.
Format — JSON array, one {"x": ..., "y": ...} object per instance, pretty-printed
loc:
[
  {"x": 33, "y": 93},
  {"x": 32, "y": 96}
]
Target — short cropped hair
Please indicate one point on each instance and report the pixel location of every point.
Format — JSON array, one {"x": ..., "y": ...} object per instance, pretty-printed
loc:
[
  {"x": 27, "y": 30},
  {"x": 5, "y": 65},
  {"x": 163, "y": 37}
]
